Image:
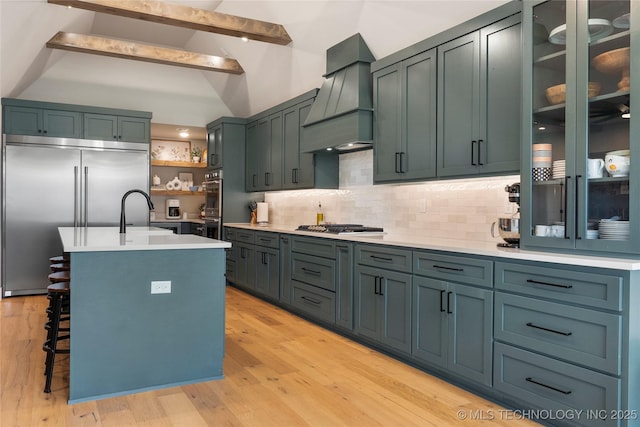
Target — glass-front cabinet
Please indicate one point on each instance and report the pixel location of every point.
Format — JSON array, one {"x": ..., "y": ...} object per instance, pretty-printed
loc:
[{"x": 581, "y": 169}]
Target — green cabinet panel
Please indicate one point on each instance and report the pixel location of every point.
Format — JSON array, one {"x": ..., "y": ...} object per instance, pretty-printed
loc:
[
  {"x": 35, "y": 121},
  {"x": 479, "y": 97},
  {"x": 344, "y": 285},
  {"x": 405, "y": 105},
  {"x": 264, "y": 167},
  {"x": 214, "y": 147},
  {"x": 317, "y": 303},
  {"x": 268, "y": 272},
  {"x": 251, "y": 159},
  {"x": 298, "y": 168},
  {"x": 383, "y": 307},
  {"x": 119, "y": 128},
  {"x": 246, "y": 266},
  {"x": 285, "y": 269},
  {"x": 452, "y": 327}
]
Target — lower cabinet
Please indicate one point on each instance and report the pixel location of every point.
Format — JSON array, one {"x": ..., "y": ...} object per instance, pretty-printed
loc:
[
  {"x": 268, "y": 272},
  {"x": 452, "y": 327},
  {"x": 383, "y": 306}
]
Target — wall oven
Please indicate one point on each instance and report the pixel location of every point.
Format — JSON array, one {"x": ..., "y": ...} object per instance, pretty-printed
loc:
[{"x": 213, "y": 204}]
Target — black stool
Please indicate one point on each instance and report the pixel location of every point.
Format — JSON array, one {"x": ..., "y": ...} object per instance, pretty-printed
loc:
[
  {"x": 60, "y": 259},
  {"x": 58, "y": 294},
  {"x": 59, "y": 267},
  {"x": 59, "y": 276}
]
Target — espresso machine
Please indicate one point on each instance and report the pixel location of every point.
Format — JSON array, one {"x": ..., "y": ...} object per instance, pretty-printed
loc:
[{"x": 509, "y": 228}]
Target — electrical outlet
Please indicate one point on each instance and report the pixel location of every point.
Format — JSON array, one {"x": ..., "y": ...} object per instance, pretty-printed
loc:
[{"x": 161, "y": 287}]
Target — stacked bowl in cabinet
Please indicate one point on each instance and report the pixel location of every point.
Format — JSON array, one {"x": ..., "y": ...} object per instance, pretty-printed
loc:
[
  {"x": 541, "y": 166},
  {"x": 559, "y": 169}
]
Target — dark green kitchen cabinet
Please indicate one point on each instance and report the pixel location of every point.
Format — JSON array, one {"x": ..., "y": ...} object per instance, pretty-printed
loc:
[
  {"x": 405, "y": 104},
  {"x": 452, "y": 327},
  {"x": 251, "y": 157},
  {"x": 245, "y": 276},
  {"x": 268, "y": 272},
  {"x": 41, "y": 122},
  {"x": 109, "y": 127},
  {"x": 383, "y": 307},
  {"x": 264, "y": 148},
  {"x": 285, "y": 269},
  {"x": 344, "y": 285},
  {"x": 298, "y": 167},
  {"x": 214, "y": 147},
  {"x": 479, "y": 101}
]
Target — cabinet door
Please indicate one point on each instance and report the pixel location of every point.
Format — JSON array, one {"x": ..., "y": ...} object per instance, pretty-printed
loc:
[
  {"x": 297, "y": 167},
  {"x": 58, "y": 123},
  {"x": 367, "y": 322},
  {"x": 273, "y": 154},
  {"x": 100, "y": 126},
  {"x": 458, "y": 104},
  {"x": 133, "y": 129},
  {"x": 500, "y": 96},
  {"x": 252, "y": 145},
  {"x": 285, "y": 269},
  {"x": 395, "y": 299},
  {"x": 268, "y": 272},
  {"x": 470, "y": 332},
  {"x": 214, "y": 148},
  {"x": 245, "y": 266},
  {"x": 344, "y": 285},
  {"x": 22, "y": 121},
  {"x": 417, "y": 159},
  {"x": 387, "y": 123},
  {"x": 430, "y": 326}
]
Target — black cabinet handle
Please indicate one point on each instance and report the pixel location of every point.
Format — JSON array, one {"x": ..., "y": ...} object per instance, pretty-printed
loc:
[
  {"x": 480, "y": 141},
  {"x": 566, "y": 334},
  {"x": 267, "y": 178},
  {"x": 441, "y": 305},
  {"x": 577, "y": 228},
  {"x": 311, "y": 300},
  {"x": 212, "y": 158},
  {"x": 262, "y": 239},
  {"x": 254, "y": 179},
  {"x": 473, "y": 161},
  {"x": 45, "y": 131},
  {"x": 242, "y": 255},
  {"x": 293, "y": 175},
  {"x": 39, "y": 130},
  {"x": 449, "y": 302},
  {"x": 309, "y": 271},
  {"x": 536, "y": 282},
  {"x": 375, "y": 285},
  {"x": 531, "y": 380},
  {"x": 284, "y": 239},
  {"x": 566, "y": 194},
  {"x": 380, "y": 286},
  {"x": 379, "y": 258},
  {"x": 442, "y": 267},
  {"x": 401, "y": 162}
]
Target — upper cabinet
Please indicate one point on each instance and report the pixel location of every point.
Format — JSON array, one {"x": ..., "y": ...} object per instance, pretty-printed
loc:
[
  {"x": 36, "y": 121},
  {"x": 225, "y": 142},
  {"x": 479, "y": 98},
  {"x": 449, "y": 106},
  {"x": 119, "y": 128},
  {"x": 582, "y": 147}
]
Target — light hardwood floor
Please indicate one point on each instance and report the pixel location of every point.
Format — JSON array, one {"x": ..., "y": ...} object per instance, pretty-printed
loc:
[{"x": 280, "y": 370}]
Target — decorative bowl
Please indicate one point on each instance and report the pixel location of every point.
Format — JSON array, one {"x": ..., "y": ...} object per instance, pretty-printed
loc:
[
  {"x": 615, "y": 61},
  {"x": 558, "y": 94}
]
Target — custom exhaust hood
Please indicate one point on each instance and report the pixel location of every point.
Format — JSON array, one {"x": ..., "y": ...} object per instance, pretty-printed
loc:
[{"x": 341, "y": 117}]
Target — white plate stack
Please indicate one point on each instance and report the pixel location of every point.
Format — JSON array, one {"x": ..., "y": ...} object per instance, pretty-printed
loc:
[
  {"x": 559, "y": 170},
  {"x": 613, "y": 230}
]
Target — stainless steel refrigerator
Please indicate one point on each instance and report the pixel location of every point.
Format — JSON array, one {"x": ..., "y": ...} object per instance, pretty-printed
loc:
[{"x": 53, "y": 182}]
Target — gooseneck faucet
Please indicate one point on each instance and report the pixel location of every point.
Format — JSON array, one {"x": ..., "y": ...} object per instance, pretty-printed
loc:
[{"x": 123, "y": 223}]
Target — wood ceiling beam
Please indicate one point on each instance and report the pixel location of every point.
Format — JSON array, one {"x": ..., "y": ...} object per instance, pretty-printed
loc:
[
  {"x": 142, "y": 52},
  {"x": 187, "y": 17}
]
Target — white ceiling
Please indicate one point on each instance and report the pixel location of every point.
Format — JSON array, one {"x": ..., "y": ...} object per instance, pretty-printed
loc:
[{"x": 273, "y": 73}]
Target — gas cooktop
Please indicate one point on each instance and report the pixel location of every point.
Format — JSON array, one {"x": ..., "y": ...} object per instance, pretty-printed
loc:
[{"x": 341, "y": 228}]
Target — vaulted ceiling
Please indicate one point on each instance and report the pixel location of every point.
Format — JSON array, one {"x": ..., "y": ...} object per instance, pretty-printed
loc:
[{"x": 273, "y": 73}]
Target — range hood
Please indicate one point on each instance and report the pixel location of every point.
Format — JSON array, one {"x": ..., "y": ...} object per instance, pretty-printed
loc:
[{"x": 341, "y": 117}]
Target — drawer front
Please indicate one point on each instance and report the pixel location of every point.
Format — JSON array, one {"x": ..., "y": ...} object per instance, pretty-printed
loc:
[
  {"x": 577, "y": 287},
  {"x": 314, "y": 246},
  {"x": 245, "y": 236},
  {"x": 314, "y": 271},
  {"x": 473, "y": 271},
  {"x": 556, "y": 386},
  {"x": 579, "y": 335},
  {"x": 230, "y": 234},
  {"x": 316, "y": 302},
  {"x": 270, "y": 240},
  {"x": 383, "y": 257}
]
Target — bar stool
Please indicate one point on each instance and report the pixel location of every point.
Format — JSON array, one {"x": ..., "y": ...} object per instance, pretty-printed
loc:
[
  {"x": 60, "y": 259},
  {"x": 59, "y": 276},
  {"x": 60, "y": 267},
  {"x": 59, "y": 293}
]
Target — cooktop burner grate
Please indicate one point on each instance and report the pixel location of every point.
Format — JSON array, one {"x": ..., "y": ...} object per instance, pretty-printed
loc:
[{"x": 339, "y": 228}]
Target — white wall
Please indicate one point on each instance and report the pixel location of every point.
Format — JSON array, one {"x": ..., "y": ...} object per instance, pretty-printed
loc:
[{"x": 460, "y": 209}]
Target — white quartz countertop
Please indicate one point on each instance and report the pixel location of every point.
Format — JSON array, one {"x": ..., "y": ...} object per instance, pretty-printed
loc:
[
  {"x": 463, "y": 247},
  {"x": 95, "y": 239}
]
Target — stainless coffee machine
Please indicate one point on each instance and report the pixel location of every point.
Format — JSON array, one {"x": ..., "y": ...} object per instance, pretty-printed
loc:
[
  {"x": 509, "y": 228},
  {"x": 173, "y": 209}
]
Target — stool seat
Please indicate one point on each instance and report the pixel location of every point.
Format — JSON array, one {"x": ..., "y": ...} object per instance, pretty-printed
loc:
[
  {"x": 64, "y": 259},
  {"x": 59, "y": 276},
  {"x": 60, "y": 267}
]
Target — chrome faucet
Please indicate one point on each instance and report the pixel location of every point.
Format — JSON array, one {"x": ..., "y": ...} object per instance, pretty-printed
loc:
[{"x": 123, "y": 225}]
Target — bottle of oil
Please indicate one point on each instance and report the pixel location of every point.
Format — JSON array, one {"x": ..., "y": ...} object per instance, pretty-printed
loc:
[{"x": 319, "y": 215}]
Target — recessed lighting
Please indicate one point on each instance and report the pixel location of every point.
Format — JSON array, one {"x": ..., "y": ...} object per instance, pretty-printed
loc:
[
  {"x": 542, "y": 128},
  {"x": 244, "y": 39},
  {"x": 329, "y": 149},
  {"x": 184, "y": 133}
]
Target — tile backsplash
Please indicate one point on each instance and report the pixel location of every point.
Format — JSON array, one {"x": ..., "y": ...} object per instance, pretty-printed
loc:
[{"x": 461, "y": 209}]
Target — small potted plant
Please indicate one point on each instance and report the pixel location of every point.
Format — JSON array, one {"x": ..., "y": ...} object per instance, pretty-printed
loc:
[{"x": 196, "y": 152}]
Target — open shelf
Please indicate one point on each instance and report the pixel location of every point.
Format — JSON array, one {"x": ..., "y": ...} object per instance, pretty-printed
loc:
[
  {"x": 158, "y": 192},
  {"x": 178, "y": 164}
]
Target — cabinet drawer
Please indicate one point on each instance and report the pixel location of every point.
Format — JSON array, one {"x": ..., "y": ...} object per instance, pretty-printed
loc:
[
  {"x": 314, "y": 246},
  {"x": 555, "y": 386},
  {"x": 245, "y": 236},
  {"x": 314, "y": 271},
  {"x": 316, "y": 302},
  {"x": 578, "y": 335},
  {"x": 577, "y": 287},
  {"x": 230, "y": 234},
  {"x": 270, "y": 240},
  {"x": 454, "y": 268},
  {"x": 383, "y": 257}
]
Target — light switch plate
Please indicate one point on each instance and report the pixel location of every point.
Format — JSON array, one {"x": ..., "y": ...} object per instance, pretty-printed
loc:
[{"x": 161, "y": 287}]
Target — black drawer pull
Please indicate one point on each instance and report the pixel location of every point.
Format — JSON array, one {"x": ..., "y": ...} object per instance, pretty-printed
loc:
[
  {"x": 549, "y": 284},
  {"x": 449, "y": 303},
  {"x": 447, "y": 268},
  {"x": 379, "y": 258},
  {"x": 531, "y": 380},
  {"x": 441, "y": 306},
  {"x": 262, "y": 239},
  {"x": 311, "y": 300},
  {"x": 566, "y": 334},
  {"x": 314, "y": 272}
]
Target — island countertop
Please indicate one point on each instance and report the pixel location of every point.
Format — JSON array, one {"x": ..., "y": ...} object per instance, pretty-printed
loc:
[{"x": 94, "y": 239}]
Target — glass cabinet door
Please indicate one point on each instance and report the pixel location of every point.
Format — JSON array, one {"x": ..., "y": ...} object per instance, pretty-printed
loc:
[{"x": 579, "y": 190}]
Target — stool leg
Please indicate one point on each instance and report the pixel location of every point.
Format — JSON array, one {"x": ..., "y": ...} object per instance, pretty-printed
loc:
[{"x": 51, "y": 344}]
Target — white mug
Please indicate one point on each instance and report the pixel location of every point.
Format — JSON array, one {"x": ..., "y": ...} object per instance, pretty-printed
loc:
[
  {"x": 595, "y": 168},
  {"x": 557, "y": 230},
  {"x": 617, "y": 165},
  {"x": 543, "y": 230}
]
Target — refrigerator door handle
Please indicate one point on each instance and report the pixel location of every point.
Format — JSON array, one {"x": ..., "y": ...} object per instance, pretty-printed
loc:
[
  {"x": 75, "y": 196},
  {"x": 86, "y": 196}
]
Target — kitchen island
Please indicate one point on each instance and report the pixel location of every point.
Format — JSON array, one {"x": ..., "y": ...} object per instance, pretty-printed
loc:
[{"x": 147, "y": 310}]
